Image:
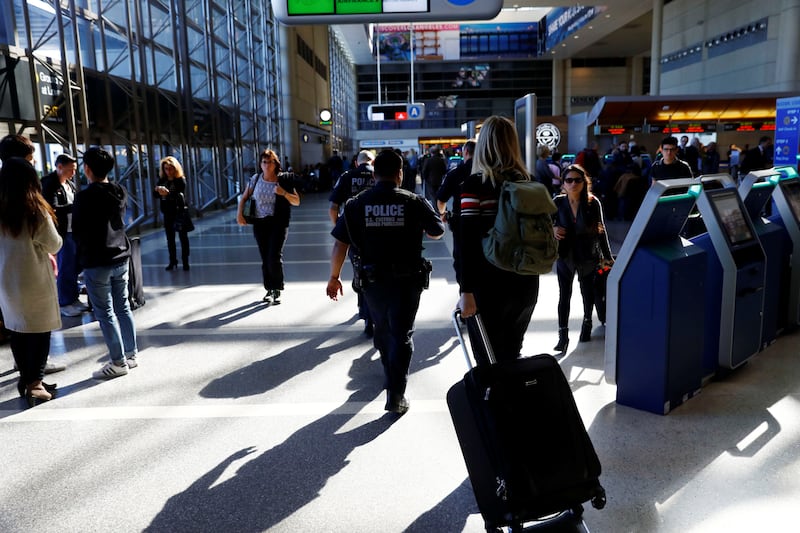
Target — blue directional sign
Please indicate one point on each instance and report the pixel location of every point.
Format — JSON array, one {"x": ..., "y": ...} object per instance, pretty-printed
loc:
[
  {"x": 416, "y": 111},
  {"x": 787, "y": 131}
]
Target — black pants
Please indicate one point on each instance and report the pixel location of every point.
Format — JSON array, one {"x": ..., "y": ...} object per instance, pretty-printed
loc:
[
  {"x": 505, "y": 303},
  {"x": 566, "y": 275},
  {"x": 363, "y": 307},
  {"x": 393, "y": 306},
  {"x": 270, "y": 237},
  {"x": 169, "y": 230},
  {"x": 30, "y": 353}
]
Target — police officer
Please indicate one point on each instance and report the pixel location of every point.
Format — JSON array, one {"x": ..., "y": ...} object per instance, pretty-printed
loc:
[
  {"x": 384, "y": 225},
  {"x": 348, "y": 185}
]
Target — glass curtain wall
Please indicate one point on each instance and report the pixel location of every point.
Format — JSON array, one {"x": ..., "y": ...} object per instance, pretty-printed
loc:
[
  {"x": 195, "y": 79},
  {"x": 344, "y": 96}
]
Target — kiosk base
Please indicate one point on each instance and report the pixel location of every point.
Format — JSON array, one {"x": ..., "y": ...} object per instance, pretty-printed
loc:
[{"x": 661, "y": 326}]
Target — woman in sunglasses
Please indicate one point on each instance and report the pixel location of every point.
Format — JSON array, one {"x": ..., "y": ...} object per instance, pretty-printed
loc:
[{"x": 582, "y": 245}]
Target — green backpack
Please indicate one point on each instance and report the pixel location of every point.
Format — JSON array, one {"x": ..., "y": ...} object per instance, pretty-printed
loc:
[{"x": 522, "y": 239}]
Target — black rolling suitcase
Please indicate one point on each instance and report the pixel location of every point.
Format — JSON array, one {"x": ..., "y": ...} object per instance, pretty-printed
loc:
[
  {"x": 135, "y": 282},
  {"x": 524, "y": 444}
]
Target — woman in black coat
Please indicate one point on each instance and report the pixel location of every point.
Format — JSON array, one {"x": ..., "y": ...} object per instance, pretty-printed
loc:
[
  {"x": 171, "y": 188},
  {"x": 582, "y": 244}
]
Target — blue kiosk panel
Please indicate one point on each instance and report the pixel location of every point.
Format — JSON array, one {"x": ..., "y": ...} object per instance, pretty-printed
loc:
[
  {"x": 659, "y": 364},
  {"x": 653, "y": 320},
  {"x": 756, "y": 192},
  {"x": 786, "y": 213},
  {"x": 734, "y": 296}
]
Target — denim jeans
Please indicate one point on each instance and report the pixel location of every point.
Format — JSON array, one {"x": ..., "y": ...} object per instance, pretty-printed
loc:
[
  {"x": 67, "y": 281},
  {"x": 107, "y": 287}
]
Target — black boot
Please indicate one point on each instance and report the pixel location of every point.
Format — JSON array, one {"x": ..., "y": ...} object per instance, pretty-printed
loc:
[
  {"x": 586, "y": 330},
  {"x": 563, "y": 340},
  {"x": 173, "y": 264}
]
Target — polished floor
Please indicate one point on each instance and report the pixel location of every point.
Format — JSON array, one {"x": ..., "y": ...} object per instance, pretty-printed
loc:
[{"x": 243, "y": 417}]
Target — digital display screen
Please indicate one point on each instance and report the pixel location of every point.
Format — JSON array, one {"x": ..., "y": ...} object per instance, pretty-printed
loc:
[
  {"x": 297, "y": 12},
  {"x": 791, "y": 190},
  {"x": 730, "y": 214},
  {"x": 355, "y": 7}
]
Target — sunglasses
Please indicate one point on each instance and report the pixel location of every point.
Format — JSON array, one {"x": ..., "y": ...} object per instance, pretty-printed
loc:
[{"x": 574, "y": 180}]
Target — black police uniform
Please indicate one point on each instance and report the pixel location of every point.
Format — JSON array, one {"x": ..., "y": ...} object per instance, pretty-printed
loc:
[
  {"x": 348, "y": 185},
  {"x": 351, "y": 183},
  {"x": 385, "y": 225}
]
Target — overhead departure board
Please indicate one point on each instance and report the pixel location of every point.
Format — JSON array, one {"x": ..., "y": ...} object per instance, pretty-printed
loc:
[{"x": 380, "y": 11}]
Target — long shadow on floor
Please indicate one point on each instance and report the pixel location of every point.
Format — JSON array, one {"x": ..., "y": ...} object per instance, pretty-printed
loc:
[
  {"x": 271, "y": 487},
  {"x": 273, "y": 370}
]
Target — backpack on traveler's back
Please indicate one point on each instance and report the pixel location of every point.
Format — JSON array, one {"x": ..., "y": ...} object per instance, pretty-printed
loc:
[{"x": 522, "y": 239}]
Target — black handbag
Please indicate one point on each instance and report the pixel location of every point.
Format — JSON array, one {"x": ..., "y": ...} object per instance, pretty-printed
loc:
[
  {"x": 249, "y": 210},
  {"x": 183, "y": 222}
]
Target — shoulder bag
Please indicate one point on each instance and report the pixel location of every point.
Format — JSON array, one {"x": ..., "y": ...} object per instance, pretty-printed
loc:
[{"x": 250, "y": 204}]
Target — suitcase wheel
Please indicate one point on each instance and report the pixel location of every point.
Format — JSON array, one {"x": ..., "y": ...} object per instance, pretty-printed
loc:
[{"x": 599, "y": 500}]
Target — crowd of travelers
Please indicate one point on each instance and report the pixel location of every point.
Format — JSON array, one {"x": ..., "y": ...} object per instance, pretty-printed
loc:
[{"x": 380, "y": 208}]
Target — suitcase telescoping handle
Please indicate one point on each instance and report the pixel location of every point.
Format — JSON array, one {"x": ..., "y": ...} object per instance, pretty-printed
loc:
[{"x": 477, "y": 324}]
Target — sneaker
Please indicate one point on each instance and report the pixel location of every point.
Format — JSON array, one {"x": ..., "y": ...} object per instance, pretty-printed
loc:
[
  {"x": 52, "y": 368},
  {"x": 111, "y": 370},
  {"x": 132, "y": 362},
  {"x": 72, "y": 310}
]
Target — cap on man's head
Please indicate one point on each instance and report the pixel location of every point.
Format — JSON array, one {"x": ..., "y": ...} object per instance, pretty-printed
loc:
[
  {"x": 365, "y": 156},
  {"x": 65, "y": 159}
]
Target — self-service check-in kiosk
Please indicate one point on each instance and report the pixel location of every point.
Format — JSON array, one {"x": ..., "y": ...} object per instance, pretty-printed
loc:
[
  {"x": 734, "y": 289},
  {"x": 786, "y": 212},
  {"x": 653, "y": 317},
  {"x": 756, "y": 191}
]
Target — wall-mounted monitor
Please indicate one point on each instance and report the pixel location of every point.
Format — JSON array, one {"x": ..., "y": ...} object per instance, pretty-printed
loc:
[{"x": 730, "y": 212}]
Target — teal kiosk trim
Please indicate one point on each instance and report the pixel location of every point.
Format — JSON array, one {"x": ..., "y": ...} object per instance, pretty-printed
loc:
[
  {"x": 653, "y": 323},
  {"x": 735, "y": 278},
  {"x": 756, "y": 190},
  {"x": 786, "y": 199}
]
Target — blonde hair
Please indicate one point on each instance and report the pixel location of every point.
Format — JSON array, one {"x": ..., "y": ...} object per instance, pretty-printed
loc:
[
  {"x": 172, "y": 161},
  {"x": 497, "y": 151}
]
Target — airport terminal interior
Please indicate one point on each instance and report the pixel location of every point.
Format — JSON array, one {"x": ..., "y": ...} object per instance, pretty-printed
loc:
[{"x": 248, "y": 416}]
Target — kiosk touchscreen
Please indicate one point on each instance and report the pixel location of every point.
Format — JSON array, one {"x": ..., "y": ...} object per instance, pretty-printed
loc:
[
  {"x": 735, "y": 278},
  {"x": 756, "y": 191},
  {"x": 786, "y": 199},
  {"x": 653, "y": 320}
]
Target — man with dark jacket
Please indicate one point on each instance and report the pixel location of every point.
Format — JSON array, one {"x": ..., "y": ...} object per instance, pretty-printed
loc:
[
  {"x": 59, "y": 190},
  {"x": 669, "y": 166},
  {"x": 451, "y": 188},
  {"x": 432, "y": 173},
  {"x": 348, "y": 185},
  {"x": 386, "y": 225},
  {"x": 757, "y": 158},
  {"x": 104, "y": 249}
]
